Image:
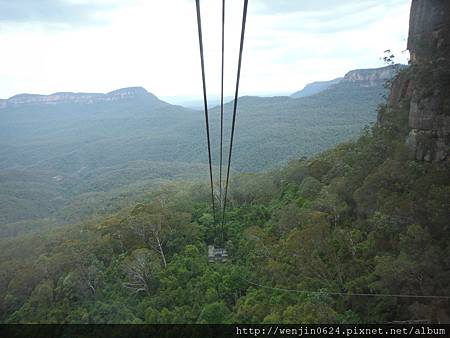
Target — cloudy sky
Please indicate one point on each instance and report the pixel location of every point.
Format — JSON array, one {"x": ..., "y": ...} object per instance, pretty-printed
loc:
[{"x": 101, "y": 45}]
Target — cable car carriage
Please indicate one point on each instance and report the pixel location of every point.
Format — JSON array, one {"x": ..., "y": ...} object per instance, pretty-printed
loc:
[{"x": 217, "y": 254}]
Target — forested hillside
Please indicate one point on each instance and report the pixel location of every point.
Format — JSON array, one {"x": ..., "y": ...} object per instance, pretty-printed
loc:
[
  {"x": 67, "y": 156},
  {"x": 359, "y": 218},
  {"x": 80, "y": 154}
]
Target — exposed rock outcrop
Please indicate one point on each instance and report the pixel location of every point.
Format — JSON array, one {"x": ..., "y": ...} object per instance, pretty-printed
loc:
[
  {"x": 427, "y": 85},
  {"x": 83, "y": 98},
  {"x": 372, "y": 77}
]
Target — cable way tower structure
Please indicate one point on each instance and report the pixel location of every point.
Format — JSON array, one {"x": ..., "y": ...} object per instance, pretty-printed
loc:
[{"x": 220, "y": 254}]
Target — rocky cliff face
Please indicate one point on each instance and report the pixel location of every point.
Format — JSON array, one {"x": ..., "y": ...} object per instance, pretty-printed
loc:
[
  {"x": 427, "y": 85},
  {"x": 372, "y": 77},
  {"x": 83, "y": 98}
]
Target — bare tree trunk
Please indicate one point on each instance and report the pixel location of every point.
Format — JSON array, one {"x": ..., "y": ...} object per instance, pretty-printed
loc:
[
  {"x": 138, "y": 273},
  {"x": 160, "y": 249},
  {"x": 91, "y": 287}
]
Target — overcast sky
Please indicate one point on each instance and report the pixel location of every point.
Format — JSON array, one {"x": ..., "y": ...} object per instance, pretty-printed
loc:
[{"x": 101, "y": 45}]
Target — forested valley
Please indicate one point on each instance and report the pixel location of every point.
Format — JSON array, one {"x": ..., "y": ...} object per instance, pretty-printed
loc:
[
  {"x": 359, "y": 218},
  {"x": 68, "y": 156}
]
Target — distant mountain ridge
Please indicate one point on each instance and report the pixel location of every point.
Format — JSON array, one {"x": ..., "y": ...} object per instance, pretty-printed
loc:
[
  {"x": 370, "y": 77},
  {"x": 363, "y": 77},
  {"x": 80, "y": 98},
  {"x": 315, "y": 87}
]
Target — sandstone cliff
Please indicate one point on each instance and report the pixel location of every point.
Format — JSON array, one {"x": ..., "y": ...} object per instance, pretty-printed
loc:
[
  {"x": 83, "y": 98},
  {"x": 372, "y": 77},
  {"x": 426, "y": 85}
]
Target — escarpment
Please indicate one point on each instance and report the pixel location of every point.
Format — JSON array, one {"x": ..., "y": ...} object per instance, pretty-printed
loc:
[{"x": 425, "y": 86}]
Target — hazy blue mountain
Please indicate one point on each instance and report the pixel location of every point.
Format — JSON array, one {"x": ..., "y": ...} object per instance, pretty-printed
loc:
[
  {"x": 195, "y": 102},
  {"x": 315, "y": 87}
]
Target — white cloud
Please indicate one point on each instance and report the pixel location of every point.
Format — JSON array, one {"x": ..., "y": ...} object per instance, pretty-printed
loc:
[{"x": 154, "y": 44}]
